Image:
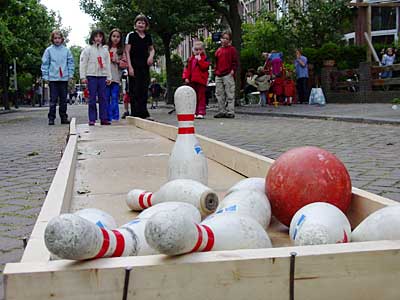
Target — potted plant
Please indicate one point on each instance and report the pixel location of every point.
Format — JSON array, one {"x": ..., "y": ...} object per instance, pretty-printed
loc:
[{"x": 329, "y": 53}]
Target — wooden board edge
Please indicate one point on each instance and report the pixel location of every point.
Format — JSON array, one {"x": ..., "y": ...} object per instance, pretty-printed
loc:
[
  {"x": 72, "y": 127},
  {"x": 316, "y": 263},
  {"x": 57, "y": 201}
]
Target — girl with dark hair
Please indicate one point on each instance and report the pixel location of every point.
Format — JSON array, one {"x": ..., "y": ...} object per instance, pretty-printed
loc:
[
  {"x": 140, "y": 55},
  {"x": 118, "y": 62},
  {"x": 95, "y": 71}
]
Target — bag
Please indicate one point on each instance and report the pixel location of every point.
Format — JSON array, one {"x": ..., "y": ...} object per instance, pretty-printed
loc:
[
  {"x": 317, "y": 97},
  {"x": 123, "y": 63}
]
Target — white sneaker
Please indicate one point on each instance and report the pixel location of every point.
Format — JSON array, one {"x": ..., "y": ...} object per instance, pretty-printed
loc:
[{"x": 199, "y": 117}]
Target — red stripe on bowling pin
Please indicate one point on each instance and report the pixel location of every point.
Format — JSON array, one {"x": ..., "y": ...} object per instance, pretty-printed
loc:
[
  {"x": 106, "y": 243},
  {"x": 183, "y": 118},
  {"x": 148, "y": 198},
  {"x": 209, "y": 235},
  {"x": 186, "y": 130},
  {"x": 199, "y": 239},
  {"x": 120, "y": 244}
]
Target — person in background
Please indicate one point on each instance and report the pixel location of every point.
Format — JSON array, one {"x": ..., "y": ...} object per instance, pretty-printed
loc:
[
  {"x": 301, "y": 66},
  {"x": 387, "y": 60},
  {"x": 226, "y": 64},
  {"x": 262, "y": 82},
  {"x": 95, "y": 71},
  {"x": 140, "y": 55},
  {"x": 57, "y": 68},
  {"x": 196, "y": 75},
  {"x": 155, "y": 92},
  {"x": 251, "y": 85}
]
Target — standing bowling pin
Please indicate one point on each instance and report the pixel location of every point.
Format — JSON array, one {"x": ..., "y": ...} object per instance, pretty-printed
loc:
[
  {"x": 138, "y": 225},
  {"x": 250, "y": 203},
  {"x": 98, "y": 217},
  {"x": 383, "y": 224},
  {"x": 251, "y": 183},
  {"x": 70, "y": 236},
  {"x": 187, "y": 160},
  {"x": 319, "y": 223},
  {"x": 173, "y": 234},
  {"x": 180, "y": 190}
]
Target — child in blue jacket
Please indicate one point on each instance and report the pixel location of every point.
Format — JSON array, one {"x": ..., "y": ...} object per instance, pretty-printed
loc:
[{"x": 57, "y": 68}]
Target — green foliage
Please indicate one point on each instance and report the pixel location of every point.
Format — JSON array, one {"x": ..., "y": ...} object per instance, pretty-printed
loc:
[
  {"x": 176, "y": 71},
  {"x": 76, "y": 53},
  {"x": 396, "y": 100},
  {"x": 160, "y": 77},
  {"x": 329, "y": 51}
]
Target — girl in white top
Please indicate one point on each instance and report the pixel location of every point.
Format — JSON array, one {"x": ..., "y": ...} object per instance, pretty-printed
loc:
[
  {"x": 95, "y": 71},
  {"x": 388, "y": 60}
]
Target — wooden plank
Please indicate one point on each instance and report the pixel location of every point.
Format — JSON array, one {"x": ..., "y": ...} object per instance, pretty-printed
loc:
[
  {"x": 387, "y": 81},
  {"x": 342, "y": 271},
  {"x": 57, "y": 201},
  {"x": 378, "y": 69}
]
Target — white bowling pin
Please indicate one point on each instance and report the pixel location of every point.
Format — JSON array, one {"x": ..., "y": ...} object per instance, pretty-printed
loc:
[
  {"x": 70, "y": 236},
  {"x": 180, "y": 190},
  {"x": 251, "y": 183},
  {"x": 250, "y": 203},
  {"x": 138, "y": 225},
  {"x": 98, "y": 217},
  {"x": 383, "y": 224},
  {"x": 174, "y": 234},
  {"x": 187, "y": 160},
  {"x": 319, "y": 223}
]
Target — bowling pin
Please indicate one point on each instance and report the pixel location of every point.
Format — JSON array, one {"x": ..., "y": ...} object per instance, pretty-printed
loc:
[
  {"x": 98, "y": 217},
  {"x": 70, "y": 236},
  {"x": 187, "y": 160},
  {"x": 174, "y": 234},
  {"x": 319, "y": 223},
  {"x": 250, "y": 203},
  {"x": 251, "y": 183},
  {"x": 138, "y": 225},
  {"x": 181, "y": 190},
  {"x": 383, "y": 224}
]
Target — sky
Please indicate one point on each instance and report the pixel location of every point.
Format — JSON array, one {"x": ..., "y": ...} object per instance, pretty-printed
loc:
[{"x": 73, "y": 17}]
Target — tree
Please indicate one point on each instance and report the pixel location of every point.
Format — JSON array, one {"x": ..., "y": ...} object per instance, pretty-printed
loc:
[{"x": 76, "y": 53}]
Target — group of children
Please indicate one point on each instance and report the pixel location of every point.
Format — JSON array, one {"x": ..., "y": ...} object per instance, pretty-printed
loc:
[
  {"x": 271, "y": 81},
  {"x": 101, "y": 65},
  {"x": 102, "y": 62}
]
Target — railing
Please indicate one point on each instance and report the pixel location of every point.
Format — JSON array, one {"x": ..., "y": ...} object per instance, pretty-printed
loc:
[
  {"x": 384, "y": 82},
  {"x": 345, "y": 80}
]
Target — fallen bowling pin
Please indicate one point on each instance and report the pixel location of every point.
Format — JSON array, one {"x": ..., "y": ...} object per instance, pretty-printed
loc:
[
  {"x": 181, "y": 190},
  {"x": 251, "y": 183},
  {"x": 187, "y": 160},
  {"x": 383, "y": 224},
  {"x": 98, "y": 217},
  {"x": 319, "y": 223},
  {"x": 173, "y": 234},
  {"x": 138, "y": 225},
  {"x": 250, "y": 203},
  {"x": 70, "y": 236}
]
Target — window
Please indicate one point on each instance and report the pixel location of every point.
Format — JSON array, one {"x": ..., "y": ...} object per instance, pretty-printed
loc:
[
  {"x": 383, "y": 18},
  {"x": 383, "y": 39}
]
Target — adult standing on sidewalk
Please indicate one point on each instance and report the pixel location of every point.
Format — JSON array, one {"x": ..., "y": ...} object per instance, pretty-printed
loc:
[
  {"x": 57, "y": 68},
  {"x": 301, "y": 65}
]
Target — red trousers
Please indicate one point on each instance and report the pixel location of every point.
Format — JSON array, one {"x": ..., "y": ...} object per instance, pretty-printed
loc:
[{"x": 200, "y": 90}]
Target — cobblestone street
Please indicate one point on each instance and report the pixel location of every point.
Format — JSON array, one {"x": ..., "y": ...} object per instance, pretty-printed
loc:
[{"x": 31, "y": 150}]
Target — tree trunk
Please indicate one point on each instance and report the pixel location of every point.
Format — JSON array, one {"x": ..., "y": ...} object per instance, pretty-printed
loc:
[
  {"x": 4, "y": 83},
  {"x": 167, "y": 42},
  {"x": 235, "y": 22}
]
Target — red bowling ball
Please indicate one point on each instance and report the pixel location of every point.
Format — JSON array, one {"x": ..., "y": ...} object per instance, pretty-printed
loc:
[{"x": 305, "y": 175}]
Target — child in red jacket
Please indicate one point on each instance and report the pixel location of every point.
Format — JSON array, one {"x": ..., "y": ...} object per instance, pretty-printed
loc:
[
  {"x": 277, "y": 87},
  {"x": 196, "y": 75},
  {"x": 289, "y": 90}
]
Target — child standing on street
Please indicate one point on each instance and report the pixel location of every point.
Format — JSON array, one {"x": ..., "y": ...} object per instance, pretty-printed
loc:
[
  {"x": 225, "y": 68},
  {"x": 95, "y": 71},
  {"x": 196, "y": 75},
  {"x": 140, "y": 54},
  {"x": 116, "y": 49},
  {"x": 155, "y": 92},
  {"x": 263, "y": 84},
  {"x": 57, "y": 68}
]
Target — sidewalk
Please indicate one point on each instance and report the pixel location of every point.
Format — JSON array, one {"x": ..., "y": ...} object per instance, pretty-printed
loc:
[{"x": 359, "y": 112}]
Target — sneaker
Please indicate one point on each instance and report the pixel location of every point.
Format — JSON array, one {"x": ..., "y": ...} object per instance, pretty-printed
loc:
[
  {"x": 200, "y": 117},
  {"x": 125, "y": 115},
  {"x": 105, "y": 123},
  {"x": 65, "y": 121},
  {"x": 229, "y": 115},
  {"x": 91, "y": 123},
  {"x": 219, "y": 115},
  {"x": 51, "y": 122}
]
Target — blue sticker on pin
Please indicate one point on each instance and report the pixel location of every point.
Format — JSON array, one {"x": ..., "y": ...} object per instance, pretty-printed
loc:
[
  {"x": 197, "y": 149},
  {"x": 101, "y": 225}
]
